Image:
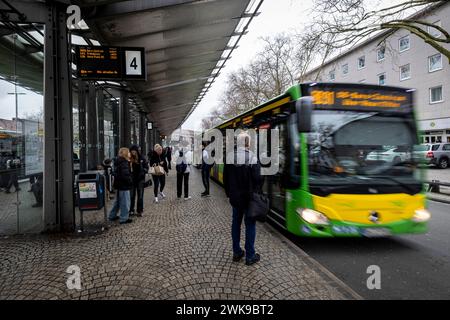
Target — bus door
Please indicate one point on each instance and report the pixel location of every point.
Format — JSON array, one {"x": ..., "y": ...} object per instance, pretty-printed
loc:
[{"x": 277, "y": 194}]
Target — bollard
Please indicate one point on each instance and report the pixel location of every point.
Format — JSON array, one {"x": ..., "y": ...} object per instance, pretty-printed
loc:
[{"x": 434, "y": 186}]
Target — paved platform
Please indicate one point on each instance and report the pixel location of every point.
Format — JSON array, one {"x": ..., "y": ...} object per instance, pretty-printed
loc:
[{"x": 177, "y": 250}]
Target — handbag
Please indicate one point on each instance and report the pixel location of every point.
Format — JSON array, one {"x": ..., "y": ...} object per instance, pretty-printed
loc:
[
  {"x": 148, "y": 180},
  {"x": 259, "y": 205},
  {"x": 157, "y": 170}
]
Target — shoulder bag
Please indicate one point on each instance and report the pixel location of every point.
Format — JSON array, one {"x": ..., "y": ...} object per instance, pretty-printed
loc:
[{"x": 259, "y": 206}]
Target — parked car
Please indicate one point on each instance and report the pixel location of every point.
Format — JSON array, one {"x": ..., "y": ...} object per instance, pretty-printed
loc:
[
  {"x": 436, "y": 154},
  {"x": 422, "y": 155},
  {"x": 390, "y": 154}
]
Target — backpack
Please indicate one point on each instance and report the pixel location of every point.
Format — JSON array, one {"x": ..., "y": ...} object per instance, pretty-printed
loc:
[{"x": 181, "y": 168}]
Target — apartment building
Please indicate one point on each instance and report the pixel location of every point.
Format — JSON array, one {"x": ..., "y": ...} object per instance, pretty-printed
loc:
[{"x": 403, "y": 60}]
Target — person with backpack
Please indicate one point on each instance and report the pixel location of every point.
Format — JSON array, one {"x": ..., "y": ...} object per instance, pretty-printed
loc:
[
  {"x": 241, "y": 179},
  {"x": 183, "y": 167},
  {"x": 206, "y": 167},
  {"x": 123, "y": 183},
  {"x": 139, "y": 169}
]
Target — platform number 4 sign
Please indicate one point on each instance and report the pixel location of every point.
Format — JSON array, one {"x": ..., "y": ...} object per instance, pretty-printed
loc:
[{"x": 133, "y": 63}]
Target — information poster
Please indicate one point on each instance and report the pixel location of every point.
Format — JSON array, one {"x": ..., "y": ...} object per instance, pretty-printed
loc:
[{"x": 88, "y": 190}]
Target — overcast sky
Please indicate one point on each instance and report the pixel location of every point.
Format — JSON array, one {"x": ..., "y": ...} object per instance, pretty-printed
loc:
[
  {"x": 29, "y": 102},
  {"x": 276, "y": 16}
]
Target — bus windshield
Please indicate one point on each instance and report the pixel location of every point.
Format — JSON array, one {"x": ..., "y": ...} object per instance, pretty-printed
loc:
[{"x": 350, "y": 148}]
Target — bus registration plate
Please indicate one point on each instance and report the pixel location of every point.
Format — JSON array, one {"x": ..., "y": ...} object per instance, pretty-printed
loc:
[{"x": 375, "y": 232}]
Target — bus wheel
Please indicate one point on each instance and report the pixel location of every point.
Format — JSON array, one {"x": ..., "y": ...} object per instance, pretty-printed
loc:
[{"x": 443, "y": 163}]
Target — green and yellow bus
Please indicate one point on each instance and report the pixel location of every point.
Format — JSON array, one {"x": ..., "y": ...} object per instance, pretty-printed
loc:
[{"x": 346, "y": 160}]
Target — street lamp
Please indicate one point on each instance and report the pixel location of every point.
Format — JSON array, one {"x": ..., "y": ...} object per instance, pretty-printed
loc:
[
  {"x": 17, "y": 131},
  {"x": 16, "y": 94}
]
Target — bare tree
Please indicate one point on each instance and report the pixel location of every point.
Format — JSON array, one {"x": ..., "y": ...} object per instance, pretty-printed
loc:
[
  {"x": 213, "y": 119},
  {"x": 274, "y": 69},
  {"x": 342, "y": 23}
]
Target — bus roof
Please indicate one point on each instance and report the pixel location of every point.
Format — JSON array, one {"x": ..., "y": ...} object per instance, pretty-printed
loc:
[
  {"x": 294, "y": 92},
  {"x": 287, "y": 94}
]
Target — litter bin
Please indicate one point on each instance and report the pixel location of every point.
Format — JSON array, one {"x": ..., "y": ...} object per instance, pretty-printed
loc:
[{"x": 91, "y": 194}]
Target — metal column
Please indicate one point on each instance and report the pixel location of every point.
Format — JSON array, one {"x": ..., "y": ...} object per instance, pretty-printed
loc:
[
  {"x": 92, "y": 134},
  {"x": 133, "y": 130},
  {"x": 101, "y": 125},
  {"x": 115, "y": 125},
  {"x": 149, "y": 141},
  {"x": 142, "y": 131},
  {"x": 58, "y": 145},
  {"x": 124, "y": 120},
  {"x": 82, "y": 124}
]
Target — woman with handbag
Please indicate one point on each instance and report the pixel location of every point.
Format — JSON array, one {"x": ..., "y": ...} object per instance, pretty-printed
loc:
[
  {"x": 140, "y": 168},
  {"x": 158, "y": 169},
  {"x": 123, "y": 184}
]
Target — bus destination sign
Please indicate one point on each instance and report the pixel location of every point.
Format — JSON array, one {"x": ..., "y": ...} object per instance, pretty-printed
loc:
[
  {"x": 361, "y": 99},
  {"x": 110, "y": 63}
]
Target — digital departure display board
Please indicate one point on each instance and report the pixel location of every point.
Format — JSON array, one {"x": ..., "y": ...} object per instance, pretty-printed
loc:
[
  {"x": 361, "y": 98},
  {"x": 110, "y": 63}
]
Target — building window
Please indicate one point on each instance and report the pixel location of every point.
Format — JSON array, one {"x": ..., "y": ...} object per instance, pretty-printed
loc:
[
  {"x": 403, "y": 44},
  {"x": 345, "y": 69},
  {"x": 433, "y": 31},
  {"x": 435, "y": 62},
  {"x": 380, "y": 53},
  {"x": 382, "y": 79},
  {"x": 405, "y": 72},
  {"x": 332, "y": 75},
  {"x": 361, "y": 62},
  {"x": 436, "y": 94}
]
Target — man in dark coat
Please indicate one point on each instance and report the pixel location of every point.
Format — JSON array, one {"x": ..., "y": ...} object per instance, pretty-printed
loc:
[{"x": 240, "y": 180}]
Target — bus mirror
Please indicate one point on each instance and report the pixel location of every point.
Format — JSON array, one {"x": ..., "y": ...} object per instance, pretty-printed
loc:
[{"x": 303, "y": 108}]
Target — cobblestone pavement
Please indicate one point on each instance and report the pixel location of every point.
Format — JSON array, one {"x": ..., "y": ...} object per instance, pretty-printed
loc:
[{"x": 177, "y": 250}]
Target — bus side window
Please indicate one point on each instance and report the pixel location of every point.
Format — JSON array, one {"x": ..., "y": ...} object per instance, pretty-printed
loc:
[
  {"x": 283, "y": 148},
  {"x": 293, "y": 170}
]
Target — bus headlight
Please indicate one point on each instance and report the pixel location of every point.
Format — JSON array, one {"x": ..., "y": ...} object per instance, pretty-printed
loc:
[
  {"x": 312, "y": 216},
  {"x": 421, "y": 215}
]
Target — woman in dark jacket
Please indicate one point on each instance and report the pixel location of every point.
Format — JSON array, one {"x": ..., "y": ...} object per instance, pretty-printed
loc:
[
  {"x": 123, "y": 183},
  {"x": 140, "y": 168},
  {"x": 158, "y": 158}
]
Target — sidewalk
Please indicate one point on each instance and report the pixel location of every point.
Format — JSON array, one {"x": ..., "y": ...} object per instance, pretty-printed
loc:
[{"x": 178, "y": 250}]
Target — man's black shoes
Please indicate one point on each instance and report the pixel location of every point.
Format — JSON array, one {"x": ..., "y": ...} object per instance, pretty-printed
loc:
[
  {"x": 238, "y": 257},
  {"x": 254, "y": 260}
]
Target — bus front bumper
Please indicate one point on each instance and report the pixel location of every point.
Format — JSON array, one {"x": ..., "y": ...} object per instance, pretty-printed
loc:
[{"x": 349, "y": 229}]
